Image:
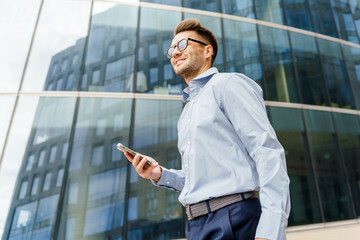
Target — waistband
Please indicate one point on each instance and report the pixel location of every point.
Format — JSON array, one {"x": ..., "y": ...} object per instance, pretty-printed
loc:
[{"x": 208, "y": 206}]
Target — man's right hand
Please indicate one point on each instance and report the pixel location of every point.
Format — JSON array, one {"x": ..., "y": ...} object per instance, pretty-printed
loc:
[{"x": 148, "y": 172}]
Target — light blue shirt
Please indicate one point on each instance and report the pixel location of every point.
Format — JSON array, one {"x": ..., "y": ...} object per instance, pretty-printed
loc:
[{"x": 228, "y": 146}]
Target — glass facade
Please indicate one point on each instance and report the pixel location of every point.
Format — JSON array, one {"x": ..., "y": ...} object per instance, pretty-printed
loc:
[{"x": 77, "y": 77}]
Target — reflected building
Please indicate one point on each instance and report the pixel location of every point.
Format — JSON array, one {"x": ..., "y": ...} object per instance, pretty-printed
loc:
[{"x": 116, "y": 85}]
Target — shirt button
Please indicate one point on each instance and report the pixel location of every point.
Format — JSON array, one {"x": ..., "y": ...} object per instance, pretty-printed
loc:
[{"x": 167, "y": 182}]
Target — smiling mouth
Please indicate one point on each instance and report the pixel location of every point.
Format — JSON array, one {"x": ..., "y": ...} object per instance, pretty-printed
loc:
[{"x": 181, "y": 59}]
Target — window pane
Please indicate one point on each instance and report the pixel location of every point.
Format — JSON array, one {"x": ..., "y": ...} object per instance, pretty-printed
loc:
[
  {"x": 59, "y": 178},
  {"x": 297, "y": 14},
  {"x": 348, "y": 130},
  {"x": 214, "y": 25},
  {"x": 41, "y": 158},
  {"x": 17, "y": 23},
  {"x": 165, "y": 2},
  {"x": 47, "y": 181},
  {"x": 289, "y": 127},
  {"x": 54, "y": 41},
  {"x": 23, "y": 189},
  {"x": 278, "y": 66},
  {"x": 308, "y": 67},
  {"x": 335, "y": 74},
  {"x": 156, "y": 29},
  {"x": 242, "y": 49},
  {"x": 344, "y": 21},
  {"x": 208, "y": 5},
  {"x": 96, "y": 181},
  {"x": 155, "y": 134},
  {"x": 46, "y": 213},
  {"x": 52, "y": 154},
  {"x": 352, "y": 58},
  {"x": 36, "y": 127},
  {"x": 270, "y": 11},
  {"x": 23, "y": 221},
  {"x": 112, "y": 25},
  {"x": 242, "y": 8},
  {"x": 355, "y": 9},
  {"x": 323, "y": 17},
  {"x": 35, "y": 186},
  {"x": 329, "y": 170}
]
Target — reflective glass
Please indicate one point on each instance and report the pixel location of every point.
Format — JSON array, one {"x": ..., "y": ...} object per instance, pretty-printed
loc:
[
  {"x": 208, "y": 5},
  {"x": 36, "y": 129},
  {"x": 308, "y": 68},
  {"x": 348, "y": 132},
  {"x": 270, "y": 11},
  {"x": 95, "y": 191},
  {"x": 297, "y": 14},
  {"x": 355, "y": 10},
  {"x": 17, "y": 24},
  {"x": 352, "y": 60},
  {"x": 155, "y": 212},
  {"x": 329, "y": 170},
  {"x": 289, "y": 127},
  {"x": 322, "y": 17},
  {"x": 6, "y": 109},
  {"x": 156, "y": 29},
  {"x": 278, "y": 65},
  {"x": 165, "y": 2},
  {"x": 23, "y": 221},
  {"x": 56, "y": 45},
  {"x": 110, "y": 53},
  {"x": 344, "y": 20},
  {"x": 242, "y": 49},
  {"x": 242, "y": 8},
  {"x": 335, "y": 74},
  {"x": 212, "y": 23}
]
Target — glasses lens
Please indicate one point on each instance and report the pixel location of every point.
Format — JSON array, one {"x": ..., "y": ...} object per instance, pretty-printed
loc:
[
  {"x": 170, "y": 52},
  {"x": 182, "y": 44}
]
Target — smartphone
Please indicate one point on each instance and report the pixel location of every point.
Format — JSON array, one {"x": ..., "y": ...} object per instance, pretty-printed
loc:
[{"x": 122, "y": 148}]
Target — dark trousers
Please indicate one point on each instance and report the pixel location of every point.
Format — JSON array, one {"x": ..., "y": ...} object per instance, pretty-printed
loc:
[{"x": 236, "y": 221}]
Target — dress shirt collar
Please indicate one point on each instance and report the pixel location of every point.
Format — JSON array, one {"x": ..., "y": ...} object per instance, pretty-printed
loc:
[{"x": 197, "y": 83}]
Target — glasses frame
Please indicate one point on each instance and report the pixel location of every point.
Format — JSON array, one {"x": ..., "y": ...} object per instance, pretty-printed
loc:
[{"x": 177, "y": 45}]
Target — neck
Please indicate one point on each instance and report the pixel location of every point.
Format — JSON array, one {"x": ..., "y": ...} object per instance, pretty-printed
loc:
[{"x": 188, "y": 78}]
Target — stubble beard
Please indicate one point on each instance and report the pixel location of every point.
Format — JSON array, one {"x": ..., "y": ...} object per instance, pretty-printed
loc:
[{"x": 187, "y": 70}]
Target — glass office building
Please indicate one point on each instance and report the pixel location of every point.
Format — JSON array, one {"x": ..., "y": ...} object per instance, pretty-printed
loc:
[{"x": 79, "y": 76}]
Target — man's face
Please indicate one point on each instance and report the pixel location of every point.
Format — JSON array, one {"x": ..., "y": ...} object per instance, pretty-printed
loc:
[{"x": 192, "y": 61}]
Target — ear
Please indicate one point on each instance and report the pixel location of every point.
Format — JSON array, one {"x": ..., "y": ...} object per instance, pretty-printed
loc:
[{"x": 209, "y": 51}]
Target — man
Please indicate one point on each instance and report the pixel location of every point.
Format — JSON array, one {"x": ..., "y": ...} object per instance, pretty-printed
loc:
[{"x": 228, "y": 149}]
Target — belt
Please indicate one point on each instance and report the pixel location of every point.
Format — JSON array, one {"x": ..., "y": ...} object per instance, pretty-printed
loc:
[{"x": 208, "y": 206}]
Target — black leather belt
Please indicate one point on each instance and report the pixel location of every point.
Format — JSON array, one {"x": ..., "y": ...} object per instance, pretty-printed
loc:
[{"x": 208, "y": 206}]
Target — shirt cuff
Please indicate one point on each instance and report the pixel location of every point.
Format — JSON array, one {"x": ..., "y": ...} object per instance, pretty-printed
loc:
[
  {"x": 167, "y": 180},
  {"x": 271, "y": 226}
]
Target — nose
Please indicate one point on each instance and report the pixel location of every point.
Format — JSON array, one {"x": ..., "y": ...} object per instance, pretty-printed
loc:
[{"x": 176, "y": 52}]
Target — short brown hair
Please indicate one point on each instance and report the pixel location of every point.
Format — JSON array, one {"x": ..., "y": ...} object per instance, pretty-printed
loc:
[{"x": 193, "y": 24}]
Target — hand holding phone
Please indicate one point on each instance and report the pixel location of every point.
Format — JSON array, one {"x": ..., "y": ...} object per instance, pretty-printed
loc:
[
  {"x": 151, "y": 170},
  {"x": 124, "y": 149}
]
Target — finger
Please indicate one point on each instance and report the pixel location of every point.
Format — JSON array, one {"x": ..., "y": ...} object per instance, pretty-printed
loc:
[
  {"x": 129, "y": 156},
  {"x": 141, "y": 166},
  {"x": 136, "y": 160}
]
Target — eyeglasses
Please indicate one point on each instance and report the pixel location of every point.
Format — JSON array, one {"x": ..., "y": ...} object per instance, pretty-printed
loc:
[{"x": 181, "y": 45}]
